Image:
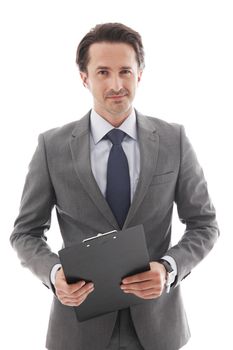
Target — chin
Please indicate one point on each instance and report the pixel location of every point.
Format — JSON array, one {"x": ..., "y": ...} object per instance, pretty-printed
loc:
[{"x": 119, "y": 109}]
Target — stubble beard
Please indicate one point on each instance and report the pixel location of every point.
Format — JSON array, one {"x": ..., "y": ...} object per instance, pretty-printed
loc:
[
  {"x": 114, "y": 112},
  {"x": 119, "y": 109}
]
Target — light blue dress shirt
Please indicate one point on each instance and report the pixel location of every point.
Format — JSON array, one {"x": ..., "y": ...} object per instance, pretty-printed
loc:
[{"x": 100, "y": 149}]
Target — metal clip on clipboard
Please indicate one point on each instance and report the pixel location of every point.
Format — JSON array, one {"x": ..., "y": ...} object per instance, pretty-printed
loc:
[{"x": 99, "y": 235}]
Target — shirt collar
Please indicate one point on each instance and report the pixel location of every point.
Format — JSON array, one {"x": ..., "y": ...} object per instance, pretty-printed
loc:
[{"x": 100, "y": 127}]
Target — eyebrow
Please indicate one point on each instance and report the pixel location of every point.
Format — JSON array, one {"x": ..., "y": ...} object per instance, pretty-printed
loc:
[
  {"x": 102, "y": 67},
  {"x": 107, "y": 68}
]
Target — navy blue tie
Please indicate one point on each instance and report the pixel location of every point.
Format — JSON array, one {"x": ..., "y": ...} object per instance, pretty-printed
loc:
[{"x": 118, "y": 180}]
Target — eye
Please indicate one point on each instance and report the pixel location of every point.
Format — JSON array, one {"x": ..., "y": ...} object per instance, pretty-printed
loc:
[
  {"x": 103, "y": 72},
  {"x": 126, "y": 71}
]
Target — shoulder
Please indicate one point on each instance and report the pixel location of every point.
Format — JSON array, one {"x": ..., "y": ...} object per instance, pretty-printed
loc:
[
  {"x": 56, "y": 140},
  {"x": 61, "y": 136},
  {"x": 167, "y": 131},
  {"x": 163, "y": 126},
  {"x": 60, "y": 132}
]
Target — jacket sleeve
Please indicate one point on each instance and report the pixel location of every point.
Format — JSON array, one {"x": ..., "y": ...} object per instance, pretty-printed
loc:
[
  {"x": 37, "y": 202},
  {"x": 195, "y": 210}
]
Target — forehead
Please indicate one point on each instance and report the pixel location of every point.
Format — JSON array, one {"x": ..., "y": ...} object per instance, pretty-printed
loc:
[{"x": 111, "y": 54}]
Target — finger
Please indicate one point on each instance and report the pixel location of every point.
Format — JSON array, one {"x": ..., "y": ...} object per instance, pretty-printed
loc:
[
  {"x": 71, "y": 301},
  {"x": 76, "y": 294},
  {"x": 156, "y": 283},
  {"x": 139, "y": 285},
  {"x": 74, "y": 287},
  {"x": 150, "y": 294},
  {"x": 68, "y": 289},
  {"x": 83, "y": 290},
  {"x": 153, "y": 288},
  {"x": 142, "y": 292},
  {"x": 143, "y": 276}
]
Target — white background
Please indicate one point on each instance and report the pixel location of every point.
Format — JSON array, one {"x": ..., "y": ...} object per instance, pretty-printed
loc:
[{"x": 188, "y": 79}]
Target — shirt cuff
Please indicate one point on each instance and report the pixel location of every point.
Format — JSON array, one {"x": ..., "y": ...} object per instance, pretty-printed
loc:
[
  {"x": 172, "y": 262},
  {"x": 53, "y": 273}
]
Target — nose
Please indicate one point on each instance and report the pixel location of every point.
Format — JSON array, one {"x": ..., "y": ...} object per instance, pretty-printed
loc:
[{"x": 116, "y": 83}]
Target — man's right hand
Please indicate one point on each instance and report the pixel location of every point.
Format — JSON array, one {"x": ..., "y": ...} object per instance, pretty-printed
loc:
[{"x": 71, "y": 294}]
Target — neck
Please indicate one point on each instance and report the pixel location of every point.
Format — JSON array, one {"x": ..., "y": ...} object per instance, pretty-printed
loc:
[
  {"x": 115, "y": 119},
  {"x": 115, "y": 122}
]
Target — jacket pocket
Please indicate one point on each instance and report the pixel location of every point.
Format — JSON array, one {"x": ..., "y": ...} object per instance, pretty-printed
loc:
[{"x": 163, "y": 178}]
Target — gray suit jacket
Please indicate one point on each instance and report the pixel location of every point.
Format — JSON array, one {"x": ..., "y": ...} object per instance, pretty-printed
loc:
[{"x": 60, "y": 175}]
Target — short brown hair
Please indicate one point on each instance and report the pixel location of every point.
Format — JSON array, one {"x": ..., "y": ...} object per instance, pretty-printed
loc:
[{"x": 109, "y": 32}]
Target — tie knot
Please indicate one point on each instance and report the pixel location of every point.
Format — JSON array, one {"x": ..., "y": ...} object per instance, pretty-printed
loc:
[{"x": 116, "y": 136}]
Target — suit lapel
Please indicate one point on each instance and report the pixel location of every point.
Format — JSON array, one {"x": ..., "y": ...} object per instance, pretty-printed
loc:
[
  {"x": 80, "y": 149},
  {"x": 149, "y": 147}
]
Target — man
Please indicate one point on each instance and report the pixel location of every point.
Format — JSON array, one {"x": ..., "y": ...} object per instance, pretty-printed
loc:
[{"x": 112, "y": 169}]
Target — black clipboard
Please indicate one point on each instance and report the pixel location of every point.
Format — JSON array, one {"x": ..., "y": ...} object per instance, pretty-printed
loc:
[{"x": 105, "y": 260}]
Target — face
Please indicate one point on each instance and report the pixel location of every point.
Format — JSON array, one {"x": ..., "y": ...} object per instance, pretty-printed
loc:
[{"x": 112, "y": 78}]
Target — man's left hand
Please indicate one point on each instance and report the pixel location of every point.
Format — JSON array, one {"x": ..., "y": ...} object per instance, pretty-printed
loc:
[{"x": 146, "y": 285}]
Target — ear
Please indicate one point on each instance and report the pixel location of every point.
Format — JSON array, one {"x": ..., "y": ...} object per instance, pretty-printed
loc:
[
  {"x": 140, "y": 75},
  {"x": 84, "y": 77}
]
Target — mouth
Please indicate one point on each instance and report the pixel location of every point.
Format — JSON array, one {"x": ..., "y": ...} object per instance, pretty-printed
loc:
[{"x": 117, "y": 97}]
